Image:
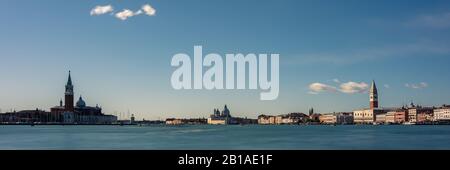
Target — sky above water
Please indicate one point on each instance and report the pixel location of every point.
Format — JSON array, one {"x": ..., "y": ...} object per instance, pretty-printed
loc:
[{"x": 119, "y": 53}]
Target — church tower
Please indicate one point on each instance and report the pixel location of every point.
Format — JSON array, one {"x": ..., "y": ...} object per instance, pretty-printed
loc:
[
  {"x": 373, "y": 96},
  {"x": 69, "y": 95}
]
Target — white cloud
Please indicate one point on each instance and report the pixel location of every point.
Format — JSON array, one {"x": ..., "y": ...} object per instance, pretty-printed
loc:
[
  {"x": 319, "y": 87},
  {"x": 149, "y": 10},
  {"x": 421, "y": 85},
  {"x": 100, "y": 10},
  {"x": 387, "y": 86},
  {"x": 353, "y": 87},
  {"x": 126, "y": 13},
  {"x": 348, "y": 88}
]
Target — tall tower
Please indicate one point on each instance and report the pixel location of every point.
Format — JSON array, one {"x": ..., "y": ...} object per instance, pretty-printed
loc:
[
  {"x": 373, "y": 96},
  {"x": 69, "y": 95}
]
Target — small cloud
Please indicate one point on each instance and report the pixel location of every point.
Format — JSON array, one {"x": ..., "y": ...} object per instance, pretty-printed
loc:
[
  {"x": 387, "y": 86},
  {"x": 100, "y": 10},
  {"x": 353, "y": 87},
  {"x": 421, "y": 85},
  {"x": 315, "y": 88},
  {"x": 149, "y": 10},
  {"x": 126, "y": 13},
  {"x": 336, "y": 80},
  {"x": 437, "y": 21}
]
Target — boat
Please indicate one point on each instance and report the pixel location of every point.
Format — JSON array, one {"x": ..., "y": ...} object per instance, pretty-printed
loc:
[{"x": 409, "y": 123}]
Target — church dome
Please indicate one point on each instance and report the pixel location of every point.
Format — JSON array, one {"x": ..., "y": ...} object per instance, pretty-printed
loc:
[{"x": 81, "y": 103}]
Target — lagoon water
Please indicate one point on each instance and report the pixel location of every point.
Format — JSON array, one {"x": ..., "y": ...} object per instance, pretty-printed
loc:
[{"x": 225, "y": 137}]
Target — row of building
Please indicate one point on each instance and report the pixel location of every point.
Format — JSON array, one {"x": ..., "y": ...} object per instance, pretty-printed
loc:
[{"x": 411, "y": 114}]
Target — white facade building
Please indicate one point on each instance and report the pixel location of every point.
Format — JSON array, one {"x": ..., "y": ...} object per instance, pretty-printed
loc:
[{"x": 442, "y": 114}]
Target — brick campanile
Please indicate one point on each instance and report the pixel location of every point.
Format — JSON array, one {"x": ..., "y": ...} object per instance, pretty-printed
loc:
[
  {"x": 68, "y": 98},
  {"x": 373, "y": 96}
]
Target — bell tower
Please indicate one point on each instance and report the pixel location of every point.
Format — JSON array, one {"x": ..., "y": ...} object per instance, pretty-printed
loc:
[
  {"x": 68, "y": 99},
  {"x": 373, "y": 96}
]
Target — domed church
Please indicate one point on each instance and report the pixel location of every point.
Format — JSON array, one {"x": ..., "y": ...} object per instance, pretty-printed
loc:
[{"x": 80, "y": 113}]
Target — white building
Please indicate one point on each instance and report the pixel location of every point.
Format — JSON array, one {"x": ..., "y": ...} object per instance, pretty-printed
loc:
[
  {"x": 364, "y": 116},
  {"x": 442, "y": 114}
]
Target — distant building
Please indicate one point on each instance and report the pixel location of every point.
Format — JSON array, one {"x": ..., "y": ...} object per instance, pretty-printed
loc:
[
  {"x": 220, "y": 118},
  {"x": 442, "y": 113},
  {"x": 398, "y": 116},
  {"x": 390, "y": 117},
  {"x": 425, "y": 118},
  {"x": 173, "y": 121},
  {"x": 327, "y": 118},
  {"x": 368, "y": 116},
  {"x": 401, "y": 116},
  {"x": 266, "y": 120},
  {"x": 314, "y": 117},
  {"x": 27, "y": 116},
  {"x": 336, "y": 118},
  {"x": 414, "y": 112},
  {"x": 291, "y": 118},
  {"x": 81, "y": 113},
  {"x": 380, "y": 118}
]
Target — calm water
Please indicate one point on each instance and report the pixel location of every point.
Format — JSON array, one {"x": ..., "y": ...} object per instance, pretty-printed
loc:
[{"x": 225, "y": 137}]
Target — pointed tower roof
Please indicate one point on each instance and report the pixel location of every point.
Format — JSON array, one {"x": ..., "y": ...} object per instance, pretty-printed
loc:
[
  {"x": 69, "y": 80},
  {"x": 373, "y": 87}
]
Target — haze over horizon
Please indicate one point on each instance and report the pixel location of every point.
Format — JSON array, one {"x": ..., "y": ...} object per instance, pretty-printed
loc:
[{"x": 119, "y": 53}]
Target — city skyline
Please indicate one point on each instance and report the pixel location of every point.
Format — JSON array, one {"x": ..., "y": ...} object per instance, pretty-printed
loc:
[{"x": 329, "y": 53}]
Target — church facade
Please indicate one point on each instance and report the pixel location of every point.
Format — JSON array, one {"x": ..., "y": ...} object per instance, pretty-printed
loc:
[{"x": 221, "y": 118}]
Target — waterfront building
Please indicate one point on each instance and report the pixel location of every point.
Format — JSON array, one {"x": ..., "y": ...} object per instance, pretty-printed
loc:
[
  {"x": 398, "y": 116},
  {"x": 221, "y": 118},
  {"x": 442, "y": 114},
  {"x": 291, "y": 118},
  {"x": 80, "y": 113},
  {"x": 380, "y": 118},
  {"x": 390, "y": 117},
  {"x": 194, "y": 121},
  {"x": 401, "y": 116},
  {"x": 314, "y": 117},
  {"x": 173, "y": 121},
  {"x": 327, "y": 118},
  {"x": 344, "y": 118},
  {"x": 26, "y": 116},
  {"x": 415, "y": 111},
  {"x": 425, "y": 117},
  {"x": 266, "y": 119},
  {"x": 336, "y": 118}
]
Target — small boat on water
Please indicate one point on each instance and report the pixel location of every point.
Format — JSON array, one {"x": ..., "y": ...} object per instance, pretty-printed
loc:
[{"x": 409, "y": 123}]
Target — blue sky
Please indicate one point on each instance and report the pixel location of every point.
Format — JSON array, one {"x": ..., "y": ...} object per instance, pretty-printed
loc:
[{"x": 329, "y": 53}]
